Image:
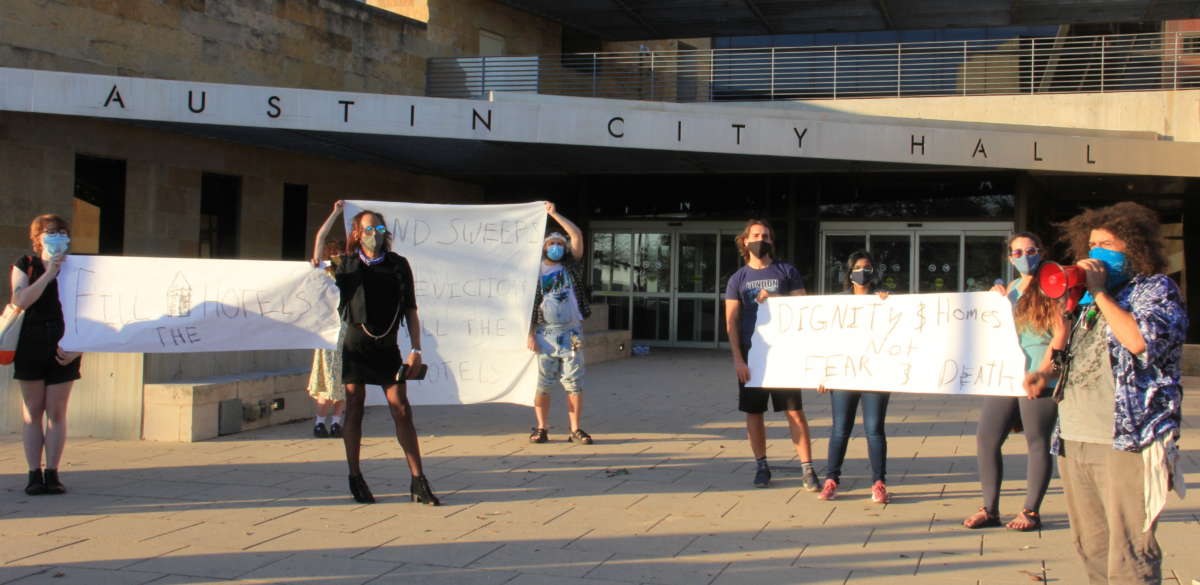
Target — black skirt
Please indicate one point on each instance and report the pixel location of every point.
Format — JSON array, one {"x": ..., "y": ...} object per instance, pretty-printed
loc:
[{"x": 370, "y": 361}]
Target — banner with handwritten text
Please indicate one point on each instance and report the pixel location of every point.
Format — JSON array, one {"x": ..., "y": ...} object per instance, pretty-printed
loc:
[
  {"x": 964, "y": 343},
  {"x": 475, "y": 268},
  {"x": 176, "y": 305}
]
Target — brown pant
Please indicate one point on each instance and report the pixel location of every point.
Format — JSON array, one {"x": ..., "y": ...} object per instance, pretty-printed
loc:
[{"x": 1106, "y": 509}]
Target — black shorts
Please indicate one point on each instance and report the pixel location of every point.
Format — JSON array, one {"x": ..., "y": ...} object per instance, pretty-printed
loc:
[
  {"x": 754, "y": 400},
  {"x": 369, "y": 361},
  {"x": 37, "y": 351}
]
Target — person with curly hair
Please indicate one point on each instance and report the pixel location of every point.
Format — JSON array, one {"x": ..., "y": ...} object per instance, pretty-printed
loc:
[
  {"x": 1120, "y": 394},
  {"x": 1041, "y": 329}
]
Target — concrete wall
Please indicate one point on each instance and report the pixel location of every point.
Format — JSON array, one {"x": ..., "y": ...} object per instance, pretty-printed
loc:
[
  {"x": 317, "y": 44},
  {"x": 1174, "y": 114}
]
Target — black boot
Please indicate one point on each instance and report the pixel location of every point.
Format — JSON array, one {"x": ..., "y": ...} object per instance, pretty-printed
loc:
[
  {"x": 358, "y": 488},
  {"x": 36, "y": 485},
  {"x": 421, "y": 492},
  {"x": 53, "y": 485}
]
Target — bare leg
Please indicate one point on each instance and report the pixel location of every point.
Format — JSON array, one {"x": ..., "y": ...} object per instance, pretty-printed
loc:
[
  {"x": 339, "y": 407},
  {"x": 56, "y": 422},
  {"x": 33, "y": 407},
  {"x": 356, "y": 396},
  {"x": 798, "y": 427},
  {"x": 756, "y": 433},
  {"x": 574, "y": 408},
  {"x": 541, "y": 409},
  {"x": 322, "y": 407},
  {"x": 406, "y": 433}
]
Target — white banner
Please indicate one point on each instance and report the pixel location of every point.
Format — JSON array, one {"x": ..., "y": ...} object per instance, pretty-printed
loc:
[
  {"x": 964, "y": 343},
  {"x": 475, "y": 268},
  {"x": 175, "y": 305}
]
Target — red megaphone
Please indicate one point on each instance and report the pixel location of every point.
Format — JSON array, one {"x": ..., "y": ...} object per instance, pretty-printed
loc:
[{"x": 1058, "y": 281}]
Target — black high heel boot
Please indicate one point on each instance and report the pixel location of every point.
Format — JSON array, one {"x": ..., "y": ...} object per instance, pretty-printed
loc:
[
  {"x": 360, "y": 491},
  {"x": 36, "y": 485},
  {"x": 421, "y": 492},
  {"x": 53, "y": 485}
]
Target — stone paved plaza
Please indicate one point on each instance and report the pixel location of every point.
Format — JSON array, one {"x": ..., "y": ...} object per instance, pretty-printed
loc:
[{"x": 664, "y": 497}]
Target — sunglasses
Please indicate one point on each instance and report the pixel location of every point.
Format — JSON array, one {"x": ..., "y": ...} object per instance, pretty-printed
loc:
[
  {"x": 375, "y": 228},
  {"x": 1030, "y": 251},
  {"x": 866, "y": 270}
]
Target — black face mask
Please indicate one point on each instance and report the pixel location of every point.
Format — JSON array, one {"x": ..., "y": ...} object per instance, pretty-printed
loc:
[
  {"x": 760, "y": 248},
  {"x": 860, "y": 277}
]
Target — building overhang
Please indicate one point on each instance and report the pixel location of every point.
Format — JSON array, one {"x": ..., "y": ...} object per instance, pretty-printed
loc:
[
  {"x": 529, "y": 134},
  {"x": 628, "y": 20}
]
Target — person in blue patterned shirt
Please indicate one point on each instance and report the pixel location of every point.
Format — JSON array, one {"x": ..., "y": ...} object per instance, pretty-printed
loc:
[{"x": 1120, "y": 394}]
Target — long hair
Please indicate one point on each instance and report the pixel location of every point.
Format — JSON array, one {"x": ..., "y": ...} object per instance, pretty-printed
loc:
[
  {"x": 44, "y": 223},
  {"x": 740, "y": 240},
  {"x": 1034, "y": 311},
  {"x": 1136, "y": 224},
  {"x": 354, "y": 240},
  {"x": 855, "y": 256}
]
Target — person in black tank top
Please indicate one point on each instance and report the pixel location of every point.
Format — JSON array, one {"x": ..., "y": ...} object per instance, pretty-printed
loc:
[
  {"x": 44, "y": 370},
  {"x": 378, "y": 297}
]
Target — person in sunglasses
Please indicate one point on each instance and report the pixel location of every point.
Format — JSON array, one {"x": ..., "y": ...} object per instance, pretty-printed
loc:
[
  {"x": 861, "y": 279},
  {"x": 1041, "y": 330},
  {"x": 378, "y": 297},
  {"x": 1120, "y": 395}
]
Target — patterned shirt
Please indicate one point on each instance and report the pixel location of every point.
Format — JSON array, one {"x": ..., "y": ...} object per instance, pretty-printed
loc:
[{"x": 1148, "y": 394}]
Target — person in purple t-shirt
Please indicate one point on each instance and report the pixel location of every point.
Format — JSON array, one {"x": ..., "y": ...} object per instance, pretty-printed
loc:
[{"x": 763, "y": 276}]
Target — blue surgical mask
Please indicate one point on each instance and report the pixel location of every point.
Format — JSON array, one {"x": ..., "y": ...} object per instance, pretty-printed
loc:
[
  {"x": 56, "y": 244},
  {"x": 1114, "y": 266},
  {"x": 1027, "y": 263},
  {"x": 555, "y": 252}
]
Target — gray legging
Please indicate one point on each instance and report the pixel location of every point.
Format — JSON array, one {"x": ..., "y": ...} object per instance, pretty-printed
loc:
[{"x": 996, "y": 419}]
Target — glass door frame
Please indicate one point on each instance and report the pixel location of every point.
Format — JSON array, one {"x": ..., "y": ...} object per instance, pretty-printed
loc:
[
  {"x": 914, "y": 230},
  {"x": 718, "y": 229}
]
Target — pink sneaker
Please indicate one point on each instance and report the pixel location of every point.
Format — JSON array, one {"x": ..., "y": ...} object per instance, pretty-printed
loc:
[
  {"x": 879, "y": 493},
  {"x": 828, "y": 492}
]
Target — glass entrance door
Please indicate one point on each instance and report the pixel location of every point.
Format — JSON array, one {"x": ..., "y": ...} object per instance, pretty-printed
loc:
[
  {"x": 664, "y": 282},
  {"x": 918, "y": 257}
]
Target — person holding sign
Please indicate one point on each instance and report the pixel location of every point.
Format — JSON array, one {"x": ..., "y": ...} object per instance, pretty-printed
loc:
[
  {"x": 44, "y": 370},
  {"x": 1041, "y": 330},
  {"x": 861, "y": 279},
  {"x": 763, "y": 276},
  {"x": 556, "y": 335},
  {"x": 378, "y": 297},
  {"x": 325, "y": 380},
  {"x": 1120, "y": 399}
]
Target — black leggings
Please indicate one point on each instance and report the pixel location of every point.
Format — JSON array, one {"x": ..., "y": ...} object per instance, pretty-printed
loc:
[{"x": 996, "y": 419}]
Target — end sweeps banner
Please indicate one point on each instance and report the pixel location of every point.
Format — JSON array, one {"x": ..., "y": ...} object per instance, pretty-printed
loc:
[{"x": 964, "y": 343}]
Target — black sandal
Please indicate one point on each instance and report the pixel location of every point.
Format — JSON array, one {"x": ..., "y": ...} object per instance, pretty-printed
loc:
[
  {"x": 1033, "y": 518},
  {"x": 581, "y": 436},
  {"x": 975, "y": 521},
  {"x": 358, "y": 488},
  {"x": 539, "y": 436}
]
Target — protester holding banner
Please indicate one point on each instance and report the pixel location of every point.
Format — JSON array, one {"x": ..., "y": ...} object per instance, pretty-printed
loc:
[
  {"x": 325, "y": 379},
  {"x": 763, "y": 276},
  {"x": 1041, "y": 330},
  {"x": 556, "y": 334},
  {"x": 861, "y": 279},
  {"x": 1120, "y": 394},
  {"x": 44, "y": 370},
  {"x": 377, "y": 298}
]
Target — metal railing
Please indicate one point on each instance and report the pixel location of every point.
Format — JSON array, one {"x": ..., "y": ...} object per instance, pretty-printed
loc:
[{"x": 1074, "y": 64}]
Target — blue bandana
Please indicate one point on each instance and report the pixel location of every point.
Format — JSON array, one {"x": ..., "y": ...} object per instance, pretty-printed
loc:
[{"x": 370, "y": 261}]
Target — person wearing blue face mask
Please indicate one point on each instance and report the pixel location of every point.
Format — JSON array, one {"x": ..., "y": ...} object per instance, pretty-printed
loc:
[
  {"x": 556, "y": 329},
  {"x": 1040, "y": 330},
  {"x": 1120, "y": 395},
  {"x": 45, "y": 372}
]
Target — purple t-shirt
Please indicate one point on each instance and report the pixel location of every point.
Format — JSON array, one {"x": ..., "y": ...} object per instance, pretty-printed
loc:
[{"x": 778, "y": 278}]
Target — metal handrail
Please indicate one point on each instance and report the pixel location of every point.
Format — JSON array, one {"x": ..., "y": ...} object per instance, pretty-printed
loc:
[{"x": 1104, "y": 63}]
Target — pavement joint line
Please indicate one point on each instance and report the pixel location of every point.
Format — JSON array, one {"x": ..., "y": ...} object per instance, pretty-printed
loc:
[
  {"x": 14, "y": 579},
  {"x": 660, "y": 521},
  {"x": 480, "y": 557},
  {"x": 293, "y": 531},
  {"x": 637, "y": 501},
  {"x": 461, "y": 510},
  {"x": 932, "y": 517},
  {"x": 170, "y": 531},
  {"x": 701, "y": 492},
  {"x": 577, "y": 538},
  {"x": 598, "y": 565},
  {"x": 726, "y": 512},
  {"x": 438, "y": 450},
  {"x": 615, "y": 486},
  {"x": 869, "y": 535},
  {"x": 829, "y": 515},
  {"x": 476, "y": 529},
  {"x": 380, "y": 521},
  {"x": 760, "y": 530},
  {"x": 74, "y": 525},
  {"x": 73, "y": 543},
  {"x": 796, "y": 559},
  {"x": 847, "y": 579},
  {"x": 792, "y": 497},
  {"x": 980, "y": 545},
  {"x": 718, "y": 575},
  {"x": 289, "y": 513},
  {"x": 920, "y": 558},
  {"x": 559, "y": 515}
]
